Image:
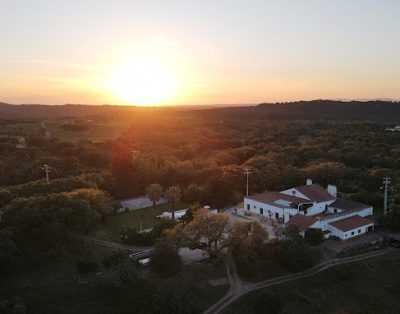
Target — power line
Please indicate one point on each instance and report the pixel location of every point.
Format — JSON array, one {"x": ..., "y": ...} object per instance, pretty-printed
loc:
[
  {"x": 386, "y": 188},
  {"x": 247, "y": 172}
]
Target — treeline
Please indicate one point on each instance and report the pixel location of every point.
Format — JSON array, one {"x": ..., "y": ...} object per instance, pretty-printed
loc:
[
  {"x": 374, "y": 110},
  {"x": 206, "y": 158},
  {"x": 20, "y": 165},
  {"x": 34, "y": 224}
]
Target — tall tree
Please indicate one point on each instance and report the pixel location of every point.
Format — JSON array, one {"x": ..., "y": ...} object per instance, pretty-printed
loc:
[
  {"x": 246, "y": 236},
  {"x": 209, "y": 227},
  {"x": 154, "y": 193},
  {"x": 173, "y": 195}
]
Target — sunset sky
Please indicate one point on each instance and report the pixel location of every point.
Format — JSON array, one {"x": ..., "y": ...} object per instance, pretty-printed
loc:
[{"x": 169, "y": 52}]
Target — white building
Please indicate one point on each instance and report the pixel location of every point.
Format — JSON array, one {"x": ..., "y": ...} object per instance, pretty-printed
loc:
[
  {"x": 178, "y": 214},
  {"x": 395, "y": 129},
  {"x": 312, "y": 206}
]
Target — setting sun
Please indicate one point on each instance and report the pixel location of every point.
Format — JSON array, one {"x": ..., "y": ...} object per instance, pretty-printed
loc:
[{"x": 144, "y": 82}]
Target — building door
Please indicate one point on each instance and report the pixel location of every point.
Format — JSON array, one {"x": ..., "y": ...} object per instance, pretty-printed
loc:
[
  {"x": 276, "y": 216},
  {"x": 248, "y": 206},
  {"x": 261, "y": 211},
  {"x": 370, "y": 228}
]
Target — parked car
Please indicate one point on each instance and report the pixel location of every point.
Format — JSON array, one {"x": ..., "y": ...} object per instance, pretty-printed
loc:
[{"x": 201, "y": 245}]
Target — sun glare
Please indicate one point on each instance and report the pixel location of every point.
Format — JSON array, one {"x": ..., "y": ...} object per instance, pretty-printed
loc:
[{"x": 144, "y": 83}]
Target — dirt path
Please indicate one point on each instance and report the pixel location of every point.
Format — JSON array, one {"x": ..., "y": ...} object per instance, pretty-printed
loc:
[{"x": 239, "y": 288}]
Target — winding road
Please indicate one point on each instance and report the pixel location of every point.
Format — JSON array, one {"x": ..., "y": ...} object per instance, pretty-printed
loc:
[{"x": 239, "y": 288}]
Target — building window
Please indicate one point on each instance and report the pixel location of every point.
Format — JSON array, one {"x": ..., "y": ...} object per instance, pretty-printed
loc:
[
  {"x": 359, "y": 230},
  {"x": 345, "y": 235},
  {"x": 248, "y": 206},
  {"x": 352, "y": 233},
  {"x": 335, "y": 210},
  {"x": 254, "y": 206}
]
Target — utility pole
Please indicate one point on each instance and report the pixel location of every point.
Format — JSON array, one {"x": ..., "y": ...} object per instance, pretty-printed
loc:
[
  {"x": 134, "y": 153},
  {"x": 47, "y": 169},
  {"x": 247, "y": 172},
  {"x": 385, "y": 187}
]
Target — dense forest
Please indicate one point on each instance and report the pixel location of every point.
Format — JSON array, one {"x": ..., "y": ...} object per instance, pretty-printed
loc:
[
  {"x": 203, "y": 152},
  {"x": 99, "y": 155}
]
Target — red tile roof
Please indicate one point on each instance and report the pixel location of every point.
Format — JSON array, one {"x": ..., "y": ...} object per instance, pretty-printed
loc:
[
  {"x": 271, "y": 197},
  {"x": 348, "y": 205},
  {"x": 315, "y": 192},
  {"x": 302, "y": 221},
  {"x": 350, "y": 223}
]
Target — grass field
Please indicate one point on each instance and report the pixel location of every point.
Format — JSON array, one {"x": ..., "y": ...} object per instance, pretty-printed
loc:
[
  {"x": 145, "y": 218},
  {"x": 98, "y": 131},
  {"x": 21, "y": 128},
  {"x": 371, "y": 286}
]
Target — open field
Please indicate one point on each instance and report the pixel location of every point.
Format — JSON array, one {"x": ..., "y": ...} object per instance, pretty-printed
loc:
[
  {"x": 99, "y": 131},
  {"x": 144, "y": 217},
  {"x": 371, "y": 286}
]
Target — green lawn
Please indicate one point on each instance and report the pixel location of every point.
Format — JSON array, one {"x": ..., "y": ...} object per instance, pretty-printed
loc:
[
  {"x": 370, "y": 286},
  {"x": 145, "y": 218}
]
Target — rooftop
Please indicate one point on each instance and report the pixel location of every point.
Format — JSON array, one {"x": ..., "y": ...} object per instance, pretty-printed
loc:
[
  {"x": 278, "y": 199},
  {"x": 348, "y": 205},
  {"x": 315, "y": 192},
  {"x": 302, "y": 222},
  {"x": 351, "y": 223}
]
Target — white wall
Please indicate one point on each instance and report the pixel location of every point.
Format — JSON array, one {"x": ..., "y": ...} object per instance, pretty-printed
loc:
[
  {"x": 268, "y": 209},
  {"x": 363, "y": 213},
  {"x": 318, "y": 208},
  {"x": 297, "y": 193},
  {"x": 348, "y": 234}
]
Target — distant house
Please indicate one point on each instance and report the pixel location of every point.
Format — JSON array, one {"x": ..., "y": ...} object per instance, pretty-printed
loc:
[
  {"x": 178, "y": 214},
  {"x": 395, "y": 129},
  {"x": 312, "y": 206}
]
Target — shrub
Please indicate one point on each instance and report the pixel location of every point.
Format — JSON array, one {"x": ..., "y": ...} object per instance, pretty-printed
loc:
[
  {"x": 165, "y": 260},
  {"x": 295, "y": 256},
  {"x": 86, "y": 266},
  {"x": 314, "y": 236}
]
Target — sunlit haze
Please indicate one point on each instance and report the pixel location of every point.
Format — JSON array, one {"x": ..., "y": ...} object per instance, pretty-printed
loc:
[{"x": 197, "y": 52}]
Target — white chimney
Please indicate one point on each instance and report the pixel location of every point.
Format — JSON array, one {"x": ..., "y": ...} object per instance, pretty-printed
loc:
[
  {"x": 309, "y": 182},
  {"x": 332, "y": 190}
]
